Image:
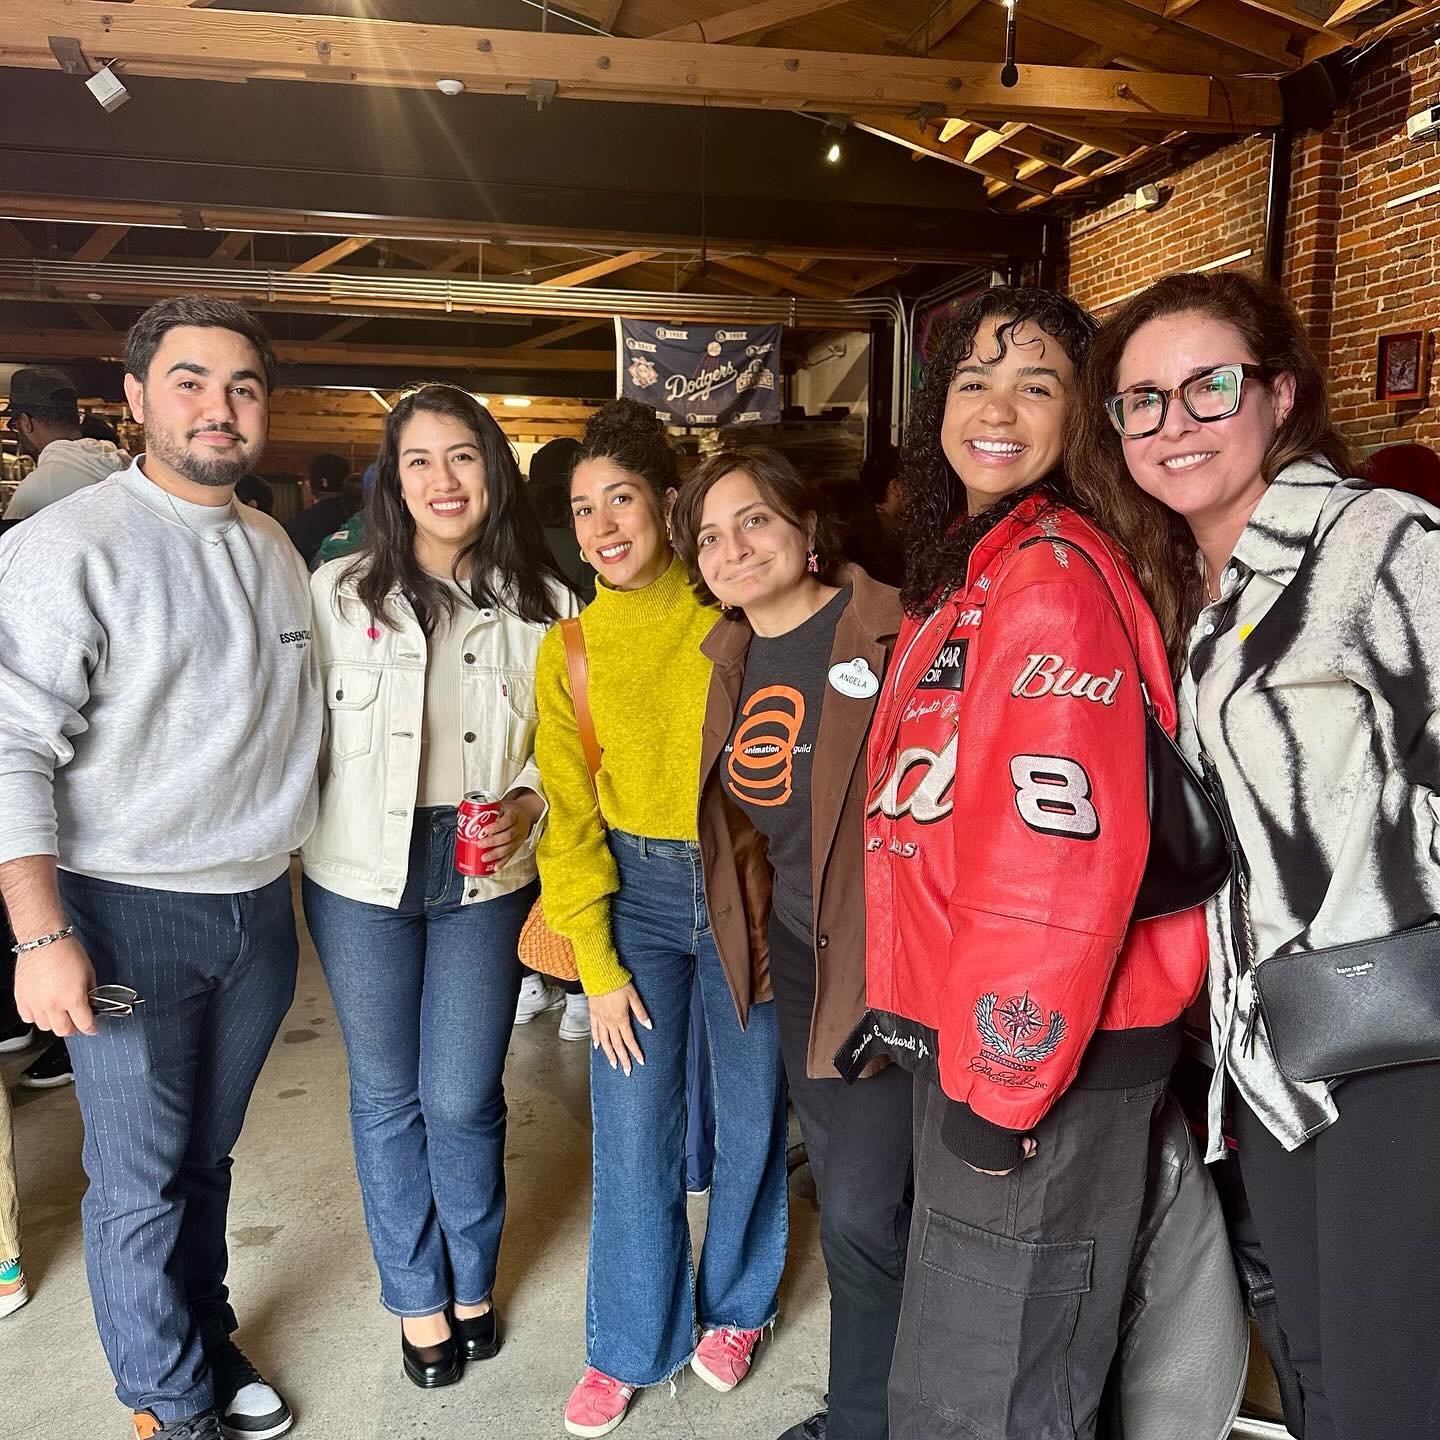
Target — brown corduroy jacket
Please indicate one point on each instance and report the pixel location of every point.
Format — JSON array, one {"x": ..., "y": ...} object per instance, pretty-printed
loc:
[{"x": 737, "y": 874}]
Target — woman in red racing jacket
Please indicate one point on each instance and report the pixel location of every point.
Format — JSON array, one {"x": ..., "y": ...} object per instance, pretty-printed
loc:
[{"x": 1006, "y": 836}]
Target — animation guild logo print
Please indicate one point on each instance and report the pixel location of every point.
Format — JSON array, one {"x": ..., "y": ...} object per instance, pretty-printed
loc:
[{"x": 762, "y": 762}]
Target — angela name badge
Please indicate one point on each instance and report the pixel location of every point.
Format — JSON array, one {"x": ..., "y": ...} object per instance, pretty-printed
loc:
[{"x": 855, "y": 679}]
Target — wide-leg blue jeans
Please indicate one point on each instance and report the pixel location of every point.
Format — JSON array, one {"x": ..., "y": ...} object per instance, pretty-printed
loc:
[{"x": 644, "y": 1294}]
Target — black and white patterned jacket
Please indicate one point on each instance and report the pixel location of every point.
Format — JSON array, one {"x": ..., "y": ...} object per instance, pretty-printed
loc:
[{"x": 1313, "y": 685}]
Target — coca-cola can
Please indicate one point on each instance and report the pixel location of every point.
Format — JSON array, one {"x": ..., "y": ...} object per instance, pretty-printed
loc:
[{"x": 477, "y": 811}]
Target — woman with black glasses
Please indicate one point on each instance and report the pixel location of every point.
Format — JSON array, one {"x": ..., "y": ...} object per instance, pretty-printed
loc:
[{"x": 1306, "y": 629}]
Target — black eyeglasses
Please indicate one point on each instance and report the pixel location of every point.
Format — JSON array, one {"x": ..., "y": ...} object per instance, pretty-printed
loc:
[
  {"x": 114, "y": 1000},
  {"x": 1212, "y": 395}
]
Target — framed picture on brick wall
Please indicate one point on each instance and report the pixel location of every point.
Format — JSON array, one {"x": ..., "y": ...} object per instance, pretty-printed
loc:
[{"x": 1400, "y": 365}]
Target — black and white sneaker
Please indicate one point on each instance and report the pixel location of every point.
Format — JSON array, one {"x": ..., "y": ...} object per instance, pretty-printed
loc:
[
  {"x": 50, "y": 1068},
  {"x": 250, "y": 1407},
  {"x": 15, "y": 1037}
]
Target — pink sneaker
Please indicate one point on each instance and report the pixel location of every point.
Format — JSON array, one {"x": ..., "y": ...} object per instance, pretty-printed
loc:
[
  {"x": 722, "y": 1359},
  {"x": 597, "y": 1404}
]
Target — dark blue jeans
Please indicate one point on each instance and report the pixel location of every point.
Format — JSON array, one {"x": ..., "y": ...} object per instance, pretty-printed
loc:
[
  {"x": 163, "y": 1093},
  {"x": 426, "y": 998},
  {"x": 644, "y": 1296}
]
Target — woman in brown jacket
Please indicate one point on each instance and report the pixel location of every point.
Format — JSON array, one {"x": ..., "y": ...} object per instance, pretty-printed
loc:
[{"x": 798, "y": 662}]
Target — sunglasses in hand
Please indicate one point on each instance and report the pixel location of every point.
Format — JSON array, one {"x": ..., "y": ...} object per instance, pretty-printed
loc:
[{"x": 114, "y": 1000}]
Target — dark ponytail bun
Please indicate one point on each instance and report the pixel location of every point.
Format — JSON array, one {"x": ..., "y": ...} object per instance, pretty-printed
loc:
[{"x": 628, "y": 434}]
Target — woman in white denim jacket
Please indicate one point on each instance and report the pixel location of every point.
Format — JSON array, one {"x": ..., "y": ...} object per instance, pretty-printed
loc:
[{"x": 427, "y": 640}]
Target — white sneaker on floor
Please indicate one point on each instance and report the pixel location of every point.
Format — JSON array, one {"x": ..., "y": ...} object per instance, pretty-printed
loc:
[
  {"x": 575, "y": 1022},
  {"x": 536, "y": 998}
]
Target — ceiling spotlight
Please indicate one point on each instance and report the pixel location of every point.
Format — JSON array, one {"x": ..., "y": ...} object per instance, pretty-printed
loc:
[
  {"x": 520, "y": 402},
  {"x": 105, "y": 86},
  {"x": 450, "y": 87},
  {"x": 834, "y": 131},
  {"x": 93, "y": 295}
]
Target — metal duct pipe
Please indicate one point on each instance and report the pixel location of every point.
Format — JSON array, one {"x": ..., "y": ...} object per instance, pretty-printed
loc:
[{"x": 68, "y": 280}]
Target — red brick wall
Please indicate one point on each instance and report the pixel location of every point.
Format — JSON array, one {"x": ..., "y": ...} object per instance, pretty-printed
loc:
[
  {"x": 1211, "y": 209},
  {"x": 1354, "y": 267}
]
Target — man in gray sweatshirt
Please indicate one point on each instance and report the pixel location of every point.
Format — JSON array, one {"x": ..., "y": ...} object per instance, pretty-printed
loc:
[{"x": 160, "y": 719}]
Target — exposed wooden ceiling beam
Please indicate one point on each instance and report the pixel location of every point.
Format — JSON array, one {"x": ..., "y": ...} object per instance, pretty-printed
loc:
[
  {"x": 748, "y": 21},
  {"x": 1348, "y": 10},
  {"x": 939, "y": 22},
  {"x": 233, "y": 245},
  {"x": 559, "y": 333},
  {"x": 344, "y": 328},
  {"x": 398, "y": 54},
  {"x": 244, "y": 221},
  {"x": 13, "y": 244},
  {"x": 1242, "y": 28},
  {"x": 598, "y": 269},
  {"x": 93, "y": 318},
  {"x": 786, "y": 280},
  {"x": 100, "y": 242},
  {"x": 331, "y": 256},
  {"x": 79, "y": 345},
  {"x": 919, "y": 137}
]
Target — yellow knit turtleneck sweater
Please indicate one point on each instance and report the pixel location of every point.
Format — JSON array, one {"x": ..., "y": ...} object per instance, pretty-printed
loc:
[{"x": 648, "y": 686}]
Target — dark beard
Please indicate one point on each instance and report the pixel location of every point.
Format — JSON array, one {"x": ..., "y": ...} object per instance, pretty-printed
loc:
[{"x": 216, "y": 474}]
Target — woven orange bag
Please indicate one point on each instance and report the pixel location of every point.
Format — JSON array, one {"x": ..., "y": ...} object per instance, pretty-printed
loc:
[{"x": 540, "y": 947}]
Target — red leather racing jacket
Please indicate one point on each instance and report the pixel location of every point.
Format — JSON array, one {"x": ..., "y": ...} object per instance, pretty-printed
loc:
[{"x": 1006, "y": 834}]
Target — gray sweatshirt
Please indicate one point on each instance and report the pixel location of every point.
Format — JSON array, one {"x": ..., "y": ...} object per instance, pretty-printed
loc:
[{"x": 160, "y": 706}]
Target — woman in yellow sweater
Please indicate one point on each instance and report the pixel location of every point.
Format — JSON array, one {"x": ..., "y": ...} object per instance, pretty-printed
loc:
[{"x": 621, "y": 874}]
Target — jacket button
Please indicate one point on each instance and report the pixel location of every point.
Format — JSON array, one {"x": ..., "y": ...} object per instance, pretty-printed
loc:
[
  {"x": 339, "y": 694},
  {"x": 471, "y": 894},
  {"x": 469, "y": 736},
  {"x": 469, "y": 659},
  {"x": 821, "y": 941}
]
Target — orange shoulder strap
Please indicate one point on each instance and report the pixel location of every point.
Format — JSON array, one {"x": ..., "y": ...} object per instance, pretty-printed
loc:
[{"x": 578, "y": 666}]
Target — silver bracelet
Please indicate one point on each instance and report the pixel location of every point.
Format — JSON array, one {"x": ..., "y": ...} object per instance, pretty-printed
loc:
[{"x": 27, "y": 945}]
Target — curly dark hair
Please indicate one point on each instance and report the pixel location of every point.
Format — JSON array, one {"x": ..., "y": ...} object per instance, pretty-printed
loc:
[
  {"x": 937, "y": 547},
  {"x": 507, "y": 566},
  {"x": 633, "y": 437},
  {"x": 1159, "y": 541},
  {"x": 784, "y": 489}
]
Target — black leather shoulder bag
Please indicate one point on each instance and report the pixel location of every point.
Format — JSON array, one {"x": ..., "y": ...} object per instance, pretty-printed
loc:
[{"x": 1189, "y": 857}]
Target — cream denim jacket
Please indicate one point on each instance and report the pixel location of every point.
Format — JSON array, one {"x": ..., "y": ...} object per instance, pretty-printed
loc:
[{"x": 374, "y": 683}]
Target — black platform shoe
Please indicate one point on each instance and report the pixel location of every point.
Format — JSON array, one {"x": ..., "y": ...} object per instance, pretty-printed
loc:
[
  {"x": 430, "y": 1366},
  {"x": 479, "y": 1336}
]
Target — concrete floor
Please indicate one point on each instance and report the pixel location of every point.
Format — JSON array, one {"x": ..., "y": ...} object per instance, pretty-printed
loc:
[{"x": 304, "y": 1284}]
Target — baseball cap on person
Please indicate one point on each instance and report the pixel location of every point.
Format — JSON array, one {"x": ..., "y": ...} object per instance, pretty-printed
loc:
[{"x": 40, "y": 387}]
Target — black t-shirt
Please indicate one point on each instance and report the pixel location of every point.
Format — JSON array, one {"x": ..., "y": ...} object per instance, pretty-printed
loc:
[{"x": 771, "y": 747}]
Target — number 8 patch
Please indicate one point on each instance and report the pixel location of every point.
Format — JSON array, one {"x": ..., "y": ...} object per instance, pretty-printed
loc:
[{"x": 1052, "y": 795}]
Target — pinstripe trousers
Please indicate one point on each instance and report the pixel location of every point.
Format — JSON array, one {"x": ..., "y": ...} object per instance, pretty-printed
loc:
[{"x": 163, "y": 1094}]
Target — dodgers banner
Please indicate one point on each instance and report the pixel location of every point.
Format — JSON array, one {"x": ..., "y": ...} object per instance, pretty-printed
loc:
[{"x": 701, "y": 374}]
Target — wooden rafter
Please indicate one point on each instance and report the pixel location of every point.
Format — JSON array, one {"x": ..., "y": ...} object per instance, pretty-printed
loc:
[
  {"x": 231, "y": 246},
  {"x": 748, "y": 21},
  {"x": 1348, "y": 10},
  {"x": 786, "y": 280},
  {"x": 332, "y": 255},
  {"x": 80, "y": 345},
  {"x": 100, "y": 242},
  {"x": 13, "y": 244},
  {"x": 1299, "y": 19},
  {"x": 598, "y": 269},
  {"x": 560, "y": 332},
  {"x": 919, "y": 137},
  {"x": 344, "y": 328},
  {"x": 939, "y": 22},
  {"x": 237, "y": 44}
]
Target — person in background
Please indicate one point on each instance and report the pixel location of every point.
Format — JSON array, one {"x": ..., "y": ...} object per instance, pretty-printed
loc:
[
  {"x": 1308, "y": 627},
  {"x": 351, "y": 535},
  {"x": 1006, "y": 840},
  {"x": 146, "y": 865},
  {"x": 325, "y": 510},
  {"x": 255, "y": 492},
  {"x": 1409, "y": 467},
  {"x": 96, "y": 427},
  {"x": 428, "y": 634},
  {"x": 799, "y": 658},
  {"x": 620, "y": 866},
  {"x": 550, "y": 468},
  {"x": 44, "y": 415}
]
